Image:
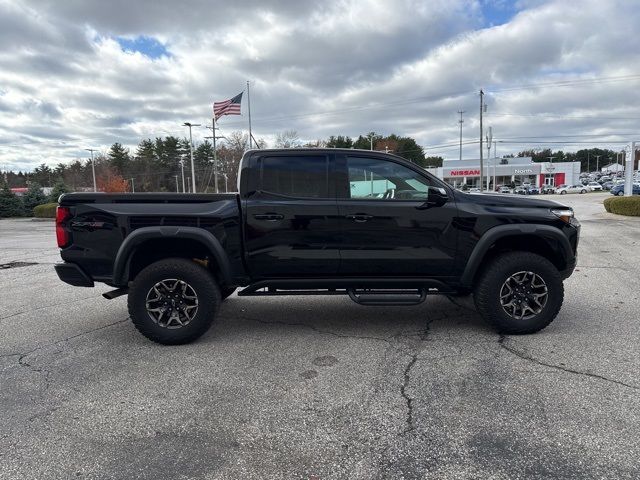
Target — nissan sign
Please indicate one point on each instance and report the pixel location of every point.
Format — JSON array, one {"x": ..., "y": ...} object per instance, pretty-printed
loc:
[
  {"x": 465, "y": 173},
  {"x": 522, "y": 171}
]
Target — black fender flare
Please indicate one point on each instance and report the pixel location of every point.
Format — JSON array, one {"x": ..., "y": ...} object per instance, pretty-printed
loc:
[
  {"x": 545, "y": 232},
  {"x": 141, "y": 235}
]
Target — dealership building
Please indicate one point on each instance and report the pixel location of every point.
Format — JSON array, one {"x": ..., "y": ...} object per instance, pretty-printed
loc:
[{"x": 518, "y": 170}]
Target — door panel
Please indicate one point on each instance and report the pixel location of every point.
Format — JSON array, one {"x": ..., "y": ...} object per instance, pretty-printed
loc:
[
  {"x": 387, "y": 228},
  {"x": 291, "y": 219}
]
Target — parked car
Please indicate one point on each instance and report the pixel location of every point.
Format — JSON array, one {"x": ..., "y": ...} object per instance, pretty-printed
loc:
[
  {"x": 594, "y": 186},
  {"x": 533, "y": 190},
  {"x": 293, "y": 229},
  {"x": 571, "y": 189},
  {"x": 504, "y": 189},
  {"x": 619, "y": 190},
  {"x": 546, "y": 189},
  {"x": 607, "y": 185},
  {"x": 520, "y": 190}
]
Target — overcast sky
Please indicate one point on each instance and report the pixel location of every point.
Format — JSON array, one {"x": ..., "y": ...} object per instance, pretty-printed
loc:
[{"x": 76, "y": 74}]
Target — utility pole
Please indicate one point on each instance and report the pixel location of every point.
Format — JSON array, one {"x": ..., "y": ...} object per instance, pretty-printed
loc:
[
  {"x": 214, "y": 137},
  {"x": 93, "y": 168},
  {"x": 249, "y": 109},
  {"x": 495, "y": 159},
  {"x": 588, "y": 162},
  {"x": 184, "y": 188},
  {"x": 489, "y": 142},
  {"x": 461, "y": 121},
  {"x": 372, "y": 135},
  {"x": 598, "y": 162},
  {"x": 177, "y": 189},
  {"x": 133, "y": 188},
  {"x": 193, "y": 170},
  {"x": 481, "y": 133}
]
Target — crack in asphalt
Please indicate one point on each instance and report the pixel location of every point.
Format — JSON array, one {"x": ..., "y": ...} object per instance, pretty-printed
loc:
[
  {"x": 409, "y": 400},
  {"x": 462, "y": 307},
  {"x": 414, "y": 357},
  {"x": 22, "y": 357},
  {"x": 523, "y": 356},
  {"x": 315, "y": 329},
  {"x": 48, "y": 306},
  {"x": 424, "y": 334}
]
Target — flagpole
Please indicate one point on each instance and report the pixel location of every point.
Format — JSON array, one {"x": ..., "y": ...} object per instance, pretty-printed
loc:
[
  {"x": 215, "y": 154},
  {"x": 249, "y": 105}
]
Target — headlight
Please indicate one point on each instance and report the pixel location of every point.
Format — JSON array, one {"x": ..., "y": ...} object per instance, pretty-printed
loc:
[{"x": 564, "y": 214}]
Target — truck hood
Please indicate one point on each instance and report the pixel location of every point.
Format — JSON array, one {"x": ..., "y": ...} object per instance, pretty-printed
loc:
[{"x": 508, "y": 200}]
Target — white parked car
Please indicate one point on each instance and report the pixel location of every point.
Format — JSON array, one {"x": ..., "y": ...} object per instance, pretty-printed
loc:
[
  {"x": 594, "y": 186},
  {"x": 563, "y": 189}
]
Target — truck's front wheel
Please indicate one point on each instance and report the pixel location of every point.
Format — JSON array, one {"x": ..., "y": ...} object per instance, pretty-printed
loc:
[
  {"x": 519, "y": 292},
  {"x": 173, "y": 301}
]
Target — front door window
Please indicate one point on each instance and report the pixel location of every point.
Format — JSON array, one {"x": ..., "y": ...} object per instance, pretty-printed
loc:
[{"x": 375, "y": 179}]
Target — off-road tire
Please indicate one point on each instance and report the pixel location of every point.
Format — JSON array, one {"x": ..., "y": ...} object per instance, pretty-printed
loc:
[
  {"x": 195, "y": 275},
  {"x": 487, "y": 292}
]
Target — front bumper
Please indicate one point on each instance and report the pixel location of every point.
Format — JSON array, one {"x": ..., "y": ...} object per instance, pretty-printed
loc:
[{"x": 73, "y": 275}]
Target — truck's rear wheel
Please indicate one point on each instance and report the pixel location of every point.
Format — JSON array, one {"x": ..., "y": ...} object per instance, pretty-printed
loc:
[
  {"x": 519, "y": 292},
  {"x": 173, "y": 301}
]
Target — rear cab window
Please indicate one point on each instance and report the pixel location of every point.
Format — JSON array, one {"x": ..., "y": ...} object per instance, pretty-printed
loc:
[{"x": 299, "y": 176}]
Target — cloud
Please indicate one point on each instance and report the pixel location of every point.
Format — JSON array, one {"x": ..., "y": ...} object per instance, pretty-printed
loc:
[{"x": 82, "y": 74}]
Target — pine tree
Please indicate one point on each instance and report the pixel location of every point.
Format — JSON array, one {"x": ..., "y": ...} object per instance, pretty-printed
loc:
[
  {"x": 119, "y": 158},
  {"x": 58, "y": 189},
  {"x": 33, "y": 198},
  {"x": 10, "y": 205}
]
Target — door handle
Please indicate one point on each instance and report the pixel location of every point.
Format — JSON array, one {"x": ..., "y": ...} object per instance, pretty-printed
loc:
[
  {"x": 270, "y": 217},
  {"x": 359, "y": 217}
]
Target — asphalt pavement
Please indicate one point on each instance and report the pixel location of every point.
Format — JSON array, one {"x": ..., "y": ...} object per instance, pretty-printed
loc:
[{"x": 320, "y": 387}]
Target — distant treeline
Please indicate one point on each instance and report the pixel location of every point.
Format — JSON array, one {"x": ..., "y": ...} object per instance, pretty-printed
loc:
[{"x": 155, "y": 165}]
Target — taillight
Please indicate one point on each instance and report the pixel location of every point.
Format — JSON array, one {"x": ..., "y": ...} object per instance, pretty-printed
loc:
[{"x": 62, "y": 235}]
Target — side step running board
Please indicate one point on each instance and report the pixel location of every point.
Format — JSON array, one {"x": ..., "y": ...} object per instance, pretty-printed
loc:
[
  {"x": 118, "y": 292},
  {"x": 373, "y": 297}
]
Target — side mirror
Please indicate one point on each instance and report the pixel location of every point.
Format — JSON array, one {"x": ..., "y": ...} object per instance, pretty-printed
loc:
[{"x": 436, "y": 197}]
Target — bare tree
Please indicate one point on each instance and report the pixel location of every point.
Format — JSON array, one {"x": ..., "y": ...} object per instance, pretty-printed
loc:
[{"x": 288, "y": 139}]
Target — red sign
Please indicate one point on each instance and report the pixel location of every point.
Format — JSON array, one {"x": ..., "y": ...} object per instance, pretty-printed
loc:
[{"x": 465, "y": 173}]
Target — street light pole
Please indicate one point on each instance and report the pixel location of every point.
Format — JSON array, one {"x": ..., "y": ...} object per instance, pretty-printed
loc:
[
  {"x": 597, "y": 162},
  {"x": 133, "y": 188},
  {"x": 193, "y": 170},
  {"x": 177, "y": 189},
  {"x": 481, "y": 133},
  {"x": 461, "y": 121},
  {"x": 93, "y": 168}
]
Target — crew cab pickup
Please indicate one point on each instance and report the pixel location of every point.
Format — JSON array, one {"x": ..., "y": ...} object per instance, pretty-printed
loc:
[{"x": 365, "y": 224}]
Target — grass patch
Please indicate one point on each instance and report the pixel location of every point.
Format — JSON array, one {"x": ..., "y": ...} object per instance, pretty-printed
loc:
[
  {"x": 623, "y": 205},
  {"x": 46, "y": 210}
]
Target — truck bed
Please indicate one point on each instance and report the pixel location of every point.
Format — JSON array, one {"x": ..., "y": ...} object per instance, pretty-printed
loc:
[{"x": 100, "y": 223}]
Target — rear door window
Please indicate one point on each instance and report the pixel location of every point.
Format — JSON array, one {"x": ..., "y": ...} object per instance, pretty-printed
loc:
[{"x": 301, "y": 176}]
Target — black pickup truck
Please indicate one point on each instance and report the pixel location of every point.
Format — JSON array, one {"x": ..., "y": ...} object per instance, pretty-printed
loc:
[{"x": 319, "y": 221}]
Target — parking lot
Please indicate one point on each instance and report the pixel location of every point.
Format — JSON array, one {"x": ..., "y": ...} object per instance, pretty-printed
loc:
[{"x": 320, "y": 387}]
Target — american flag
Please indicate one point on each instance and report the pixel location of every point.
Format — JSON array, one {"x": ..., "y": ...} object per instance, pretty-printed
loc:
[{"x": 228, "y": 107}]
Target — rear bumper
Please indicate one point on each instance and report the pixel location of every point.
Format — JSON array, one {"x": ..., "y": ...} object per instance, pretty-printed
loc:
[{"x": 73, "y": 275}]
